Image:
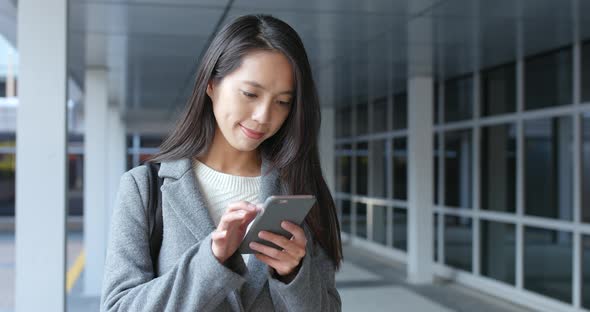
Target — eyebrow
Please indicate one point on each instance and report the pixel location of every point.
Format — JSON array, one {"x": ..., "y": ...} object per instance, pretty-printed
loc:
[{"x": 257, "y": 85}]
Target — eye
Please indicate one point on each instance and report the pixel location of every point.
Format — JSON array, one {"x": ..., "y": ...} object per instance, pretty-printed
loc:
[
  {"x": 284, "y": 103},
  {"x": 248, "y": 94}
]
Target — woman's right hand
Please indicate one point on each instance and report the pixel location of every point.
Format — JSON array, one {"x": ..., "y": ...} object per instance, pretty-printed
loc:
[{"x": 231, "y": 229}]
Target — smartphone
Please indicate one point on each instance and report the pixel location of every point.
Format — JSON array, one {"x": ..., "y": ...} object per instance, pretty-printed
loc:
[{"x": 276, "y": 209}]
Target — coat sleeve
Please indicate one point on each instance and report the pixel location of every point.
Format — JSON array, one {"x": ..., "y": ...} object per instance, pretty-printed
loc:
[
  {"x": 197, "y": 282},
  {"x": 313, "y": 288}
]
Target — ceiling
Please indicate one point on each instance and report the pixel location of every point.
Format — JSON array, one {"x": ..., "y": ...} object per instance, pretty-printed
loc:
[{"x": 151, "y": 47}]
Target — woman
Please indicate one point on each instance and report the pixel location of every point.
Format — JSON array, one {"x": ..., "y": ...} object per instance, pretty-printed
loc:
[{"x": 249, "y": 132}]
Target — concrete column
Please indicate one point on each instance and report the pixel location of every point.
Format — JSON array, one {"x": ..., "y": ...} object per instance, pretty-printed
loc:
[
  {"x": 41, "y": 156},
  {"x": 95, "y": 179},
  {"x": 116, "y": 159},
  {"x": 420, "y": 149}
]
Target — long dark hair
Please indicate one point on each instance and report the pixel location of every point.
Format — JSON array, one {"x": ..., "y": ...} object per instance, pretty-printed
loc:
[{"x": 293, "y": 149}]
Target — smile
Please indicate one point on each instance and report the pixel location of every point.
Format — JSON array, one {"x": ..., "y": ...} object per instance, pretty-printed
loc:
[{"x": 251, "y": 133}]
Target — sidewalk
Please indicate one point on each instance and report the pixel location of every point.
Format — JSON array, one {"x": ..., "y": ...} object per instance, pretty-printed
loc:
[{"x": 366, "y": 282}]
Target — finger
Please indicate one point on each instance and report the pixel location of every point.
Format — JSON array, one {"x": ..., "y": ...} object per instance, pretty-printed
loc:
[
  {"x": 296, "y": 230},
  {"x": 276, "y": 239},
  {"x": 241, "y": 205},
  {"x": 217, "y": 235},
  {"x": 270, "y": 251},
  {"x": 229, "y": 218}
]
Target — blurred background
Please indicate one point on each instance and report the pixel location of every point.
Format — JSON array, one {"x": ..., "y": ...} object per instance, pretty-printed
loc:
[{"x": 455, "y": 139}]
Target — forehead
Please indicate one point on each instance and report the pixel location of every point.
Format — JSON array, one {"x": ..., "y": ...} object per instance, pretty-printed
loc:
[{"x": 271, "y": 69}]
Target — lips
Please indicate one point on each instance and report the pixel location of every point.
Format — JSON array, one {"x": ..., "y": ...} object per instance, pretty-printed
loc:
[{"x": 251, "y": 133}]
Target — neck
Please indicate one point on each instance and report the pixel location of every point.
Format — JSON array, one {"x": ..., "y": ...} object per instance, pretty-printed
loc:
[{"x": 223, "y": 157}]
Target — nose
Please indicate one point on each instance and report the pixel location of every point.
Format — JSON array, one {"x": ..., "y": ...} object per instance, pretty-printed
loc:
[{"x": 262, "y": 112}]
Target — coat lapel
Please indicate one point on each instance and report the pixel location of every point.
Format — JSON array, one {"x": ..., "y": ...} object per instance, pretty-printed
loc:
[{"x": 181, "y": 193}]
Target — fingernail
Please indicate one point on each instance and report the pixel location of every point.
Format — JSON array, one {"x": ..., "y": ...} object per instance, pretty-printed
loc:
[{"x": 251, "y": 206}]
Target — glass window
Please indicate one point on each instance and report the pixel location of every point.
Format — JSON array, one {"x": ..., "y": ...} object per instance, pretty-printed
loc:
[
  {"x": 586, "y": 271},
  {"x": 400, "y": 169},
  {"x": 345, "y": 220},
  {"x": 436, "y": 102},
  {"x": 435, "y": 181},
  {"x": 7, "y": 183},
  {"x": 362, "y": 166},
  {"x": 343, "y": 123},
  {"x": 435, "y": 234},
  {"x": 459, "y": 99},
  {"x": 151, "y": 141},
  {"x": 458, "y": 242},
  {"x": 498, "y": 90},
  {"x": 380, "y": 224},
  {"x": 458, "y": 169},
  {"x": 586, "y": 168},
  {"x": 380, "y": 115},
  {"x": 378, "y": 169},
  {"x": 400, "y": 111},
  {"x": 400, "y": 229},
  {"x": 362, "y": 119},
  {"x": 498, "y": 168},
  {"x": 548, "y": 79},
  {"x": 343, "y": 167},
  {"x": 548, "y": 263},
  {"x": 75, "y": 185},
  {"x": 548, "y": 168},
  {"x": 361, "y": 220},
  {"x": 586, "y": 72},
  {"x": 498, "y": 251}
]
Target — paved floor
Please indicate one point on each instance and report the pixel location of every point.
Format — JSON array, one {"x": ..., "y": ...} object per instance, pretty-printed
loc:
[{"x": 366, "y": 283}]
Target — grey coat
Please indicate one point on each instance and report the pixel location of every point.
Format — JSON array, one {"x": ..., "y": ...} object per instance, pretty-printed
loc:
[{"x": 189, "y": 277}]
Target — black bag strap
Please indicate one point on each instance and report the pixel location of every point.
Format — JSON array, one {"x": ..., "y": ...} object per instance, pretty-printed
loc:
[{"x": 155, "y": 212}]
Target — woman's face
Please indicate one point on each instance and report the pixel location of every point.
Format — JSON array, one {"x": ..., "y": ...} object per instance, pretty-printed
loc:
[{"x": 251, "y": 103}]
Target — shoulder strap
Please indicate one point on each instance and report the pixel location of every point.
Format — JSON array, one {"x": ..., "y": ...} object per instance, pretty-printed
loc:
[{"x": 155, "y": 213}]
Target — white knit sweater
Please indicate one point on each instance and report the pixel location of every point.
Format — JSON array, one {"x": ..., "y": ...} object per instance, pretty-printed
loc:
[{"x": 220, "y": 189}]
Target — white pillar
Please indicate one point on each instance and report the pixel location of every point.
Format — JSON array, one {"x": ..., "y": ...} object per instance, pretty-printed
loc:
[
  {"x": 420, "y": 175},
  {"x": 117, "y": 159},
  {"x": 420, "y": 147},
  {"x": 41, "y": 156},
  {"x": 95, "y": 178}
]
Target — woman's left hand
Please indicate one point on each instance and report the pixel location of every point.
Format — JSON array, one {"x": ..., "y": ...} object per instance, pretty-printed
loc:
[{"x": 284, "y": 262}]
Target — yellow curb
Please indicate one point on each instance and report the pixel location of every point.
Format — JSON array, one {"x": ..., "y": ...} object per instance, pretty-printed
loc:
[{"x": 74, "y": 272}]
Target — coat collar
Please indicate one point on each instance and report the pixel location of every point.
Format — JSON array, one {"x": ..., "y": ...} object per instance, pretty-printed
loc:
[{"x": 181, "y": 193}]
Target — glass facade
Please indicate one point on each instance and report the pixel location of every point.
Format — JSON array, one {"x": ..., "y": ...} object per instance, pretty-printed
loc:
[
  {"x": 498, "y": 251},
  {"x": 586, "y": 168},
  {"x": 586, "y": 271},
  {"x": 343, "y": 124},
  {"x": 548, "y": 263},
  {"x": 362, "y": 119},
  {"x": 458, "y": 169},
  {"x": 400, "y": 229},
  {"x": 459, "y": 99},
  {"x": 7, "y": 174},
  {"x": 458, "y": 243},
  {"x": 498, "y": 168},
  {"x": 548, "y": 79},
  {"x": 361, "y": 220},
  {"x": 548, "y": 168},
  {"x": 380, "y": 214},
  {"x": 400, "y": 111},
  {"x": 498, "y": 90},
  {"x": 586, "y": 72},
  {"x": 400, "y": 169},
  {"x": 529, "y": 149},
  {"x": 379, "y": 122},
  {"x": 362, "y": 168},
  {"x": 346, "y": 217}
]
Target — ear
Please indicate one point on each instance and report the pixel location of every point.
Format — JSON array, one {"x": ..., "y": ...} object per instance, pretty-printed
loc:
[{"x": 210, "y": 89}]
